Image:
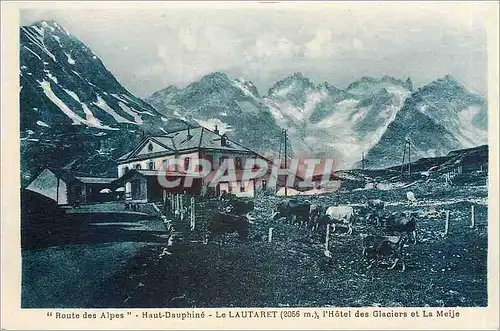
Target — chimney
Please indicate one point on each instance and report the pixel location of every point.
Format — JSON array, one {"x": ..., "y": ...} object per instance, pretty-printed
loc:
[
  {"x": 216, "y": 130},
  {"x": 189, "y": 134},
  {"x": 223, "y": 140}
]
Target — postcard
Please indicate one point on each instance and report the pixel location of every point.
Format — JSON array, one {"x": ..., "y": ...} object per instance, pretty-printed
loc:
[{"x": 249, "y": 165}]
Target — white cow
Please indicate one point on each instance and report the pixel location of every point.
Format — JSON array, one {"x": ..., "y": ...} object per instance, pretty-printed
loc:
[
  {"x": 342, "y": 215},
  {"x": 410, "y": 196}
]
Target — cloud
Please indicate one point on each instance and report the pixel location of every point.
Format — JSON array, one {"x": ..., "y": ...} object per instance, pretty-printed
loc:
[
  {"x": 320, "y": 45},
  {"x": 270, "y": 47},
  {"x": 336, "y": 42}
]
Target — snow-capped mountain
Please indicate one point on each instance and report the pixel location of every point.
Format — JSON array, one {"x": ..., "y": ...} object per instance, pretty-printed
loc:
[
  {"x": 71, "y": 104},
  {"x": 371, "y": 116},
  {"x": 327, "y": 121},
  {"x": 322, "y": 120},
  {"x": 437, "y": 118},
  {"x": 73, "y": 107},
  {"x": 234, "y": 105}
]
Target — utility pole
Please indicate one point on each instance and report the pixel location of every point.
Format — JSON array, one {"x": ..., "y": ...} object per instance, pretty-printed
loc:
[
  {"x": 403, "y": 162},
  {"x": 281, "y": 143},
  {"x": 286, "y": 191},
  {"x": 409, "y": 157},
  {"x": 407, "y": 145},
  {"x": 279, "y": 156}
]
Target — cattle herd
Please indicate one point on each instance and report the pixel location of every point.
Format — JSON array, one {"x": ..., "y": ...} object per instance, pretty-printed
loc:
[{"x": 385, "y": 233}]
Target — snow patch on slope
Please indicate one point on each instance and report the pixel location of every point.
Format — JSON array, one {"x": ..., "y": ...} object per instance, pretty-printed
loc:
[
  {"x": 47, "y": 90},
  {"x": 40, "y": 123},
  {"x": 104, "y": 106},
  {"x": 88, "y": 113},
  {"x": 70, "y": 59},
  {"x": 128, "y": 110}
]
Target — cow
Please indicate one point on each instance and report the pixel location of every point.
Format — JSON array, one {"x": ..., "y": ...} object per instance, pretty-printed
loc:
[
  {"x": 401, "y": 224},
  {"x": 337, "y": 215},
  {"x": 315, "y": 212},
  {"x": 293, "y": 208},
  {"x": 241, "y": 207},
  {"x": 223, "y": 223},
  {"x": 376, "y": 246},
  {"x": 375, "y": 209},
  {"x": 410, "y": 197}
]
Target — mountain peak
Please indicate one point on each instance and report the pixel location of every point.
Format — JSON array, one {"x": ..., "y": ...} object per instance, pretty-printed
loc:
[
  {"x": 367, "y": 83},
  {"x": 51, "y": 25},
  {"x": 447, "y": 83},
  {"x": 409, "y": 84},
  {"x": 297, "y": 81},
  {"x": 450, "y": 79},
  {"x": 215, "y": 76}
]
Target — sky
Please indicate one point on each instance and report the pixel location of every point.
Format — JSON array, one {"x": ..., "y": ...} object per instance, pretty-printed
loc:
[{"x": 150, "y": 47}]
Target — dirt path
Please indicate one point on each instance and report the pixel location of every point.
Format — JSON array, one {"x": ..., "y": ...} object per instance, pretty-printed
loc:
[{"x": 72, "y": 276}]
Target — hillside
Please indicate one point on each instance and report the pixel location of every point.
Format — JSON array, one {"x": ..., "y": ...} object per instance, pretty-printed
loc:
[{"x": 73, "y": 107}]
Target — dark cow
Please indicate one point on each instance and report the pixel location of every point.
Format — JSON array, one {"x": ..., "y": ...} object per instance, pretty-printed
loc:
[
  {"x": 399, "y": 223},
  {"x": 375, "y": 210},
  {"x": 295, "y": 209},
  {"x": 223, "y": 223},
  {"x": 376, "y": 247},
  {"x": 241, "y": 207},
  {"x": 316, "y": 211}
]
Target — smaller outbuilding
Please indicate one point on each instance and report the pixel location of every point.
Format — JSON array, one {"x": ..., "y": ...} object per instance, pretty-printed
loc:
[{"x": 67, "y": 189}]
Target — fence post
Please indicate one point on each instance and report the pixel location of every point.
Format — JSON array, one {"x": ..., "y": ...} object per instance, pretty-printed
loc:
[
  {"x": 472, "y": 216},
  {"x": 176, "y": 204},
  {"x": 181, "y": 207},
  {"x": 446, "y": 223},
  {"x": 172, "y": 203},
  {"x": 270, "y": 235},
  {"x": 193, "y": 219},
  {"x": 327, "y": 239}
]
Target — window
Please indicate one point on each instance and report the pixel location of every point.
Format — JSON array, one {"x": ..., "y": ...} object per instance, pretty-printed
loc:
[
  {"x": 264, "y": 185},
  {"x": 164, "y": 164},
  {"x": 242, "y": 187},
  {"x": 221, "y": 159},
  {"x": 223, "y": 140},
  {"x": 186, "y": 164},
  {"x": 255, "y": 166},
  {"x": 208, "y": 158},
  {"x": 138, "y": 166},
  {"x": 239, "y": 164},
  {"x": 150, "y": 147},
  {"x": 151, "y": 165},
  {"x": 136, "y": 188},
  {"x": 229, "y": 187},
  {"x": 124, "y": 170}
]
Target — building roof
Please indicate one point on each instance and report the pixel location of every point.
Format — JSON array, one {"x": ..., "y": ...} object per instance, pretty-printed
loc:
[
  {"x": 165, "y": 173},
  {"x": 95, "y": 180},
  {"x": 154, "y": 173},
  {"x": 186, "y": 140}
]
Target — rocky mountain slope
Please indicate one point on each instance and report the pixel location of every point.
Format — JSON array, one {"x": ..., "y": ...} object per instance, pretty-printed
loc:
[
  {"x": 72, "y": 107},
  {"x": 437, "y": 118},
  {"x": 373, "y": 116},
  {"x": 322, "y": 120},
  {"x": 235, "y": 106}
]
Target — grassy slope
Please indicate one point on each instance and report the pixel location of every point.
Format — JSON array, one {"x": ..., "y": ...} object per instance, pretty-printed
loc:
[{"x": 292, "y": 270}]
